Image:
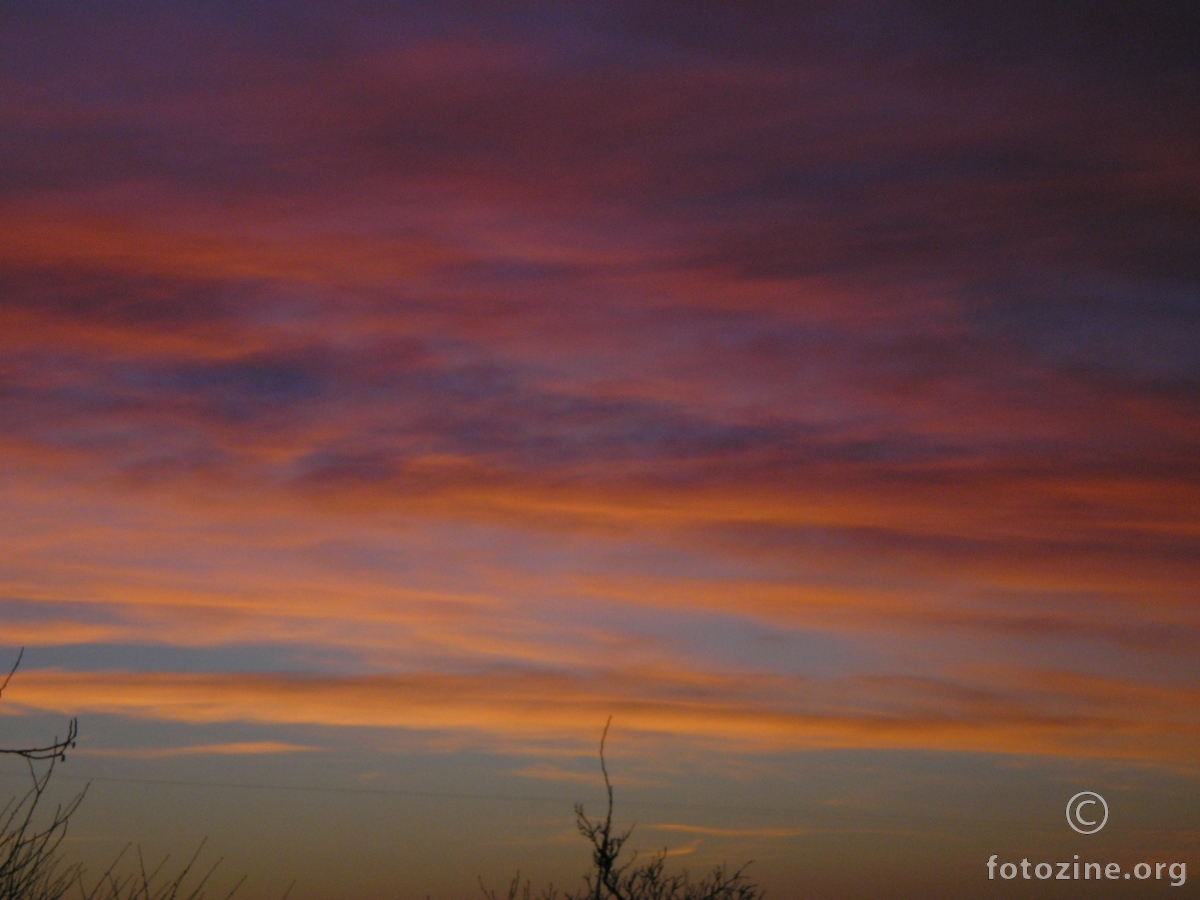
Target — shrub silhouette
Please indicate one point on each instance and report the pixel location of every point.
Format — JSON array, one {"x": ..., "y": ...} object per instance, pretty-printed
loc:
[
  {"x": 30, "y": 865},
  {"x": 614, "y": 878},
  {"x": 32, "y": 869}
]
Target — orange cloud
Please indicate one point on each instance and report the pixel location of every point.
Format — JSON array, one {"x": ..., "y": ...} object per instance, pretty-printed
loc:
[
  {"x": 248, "y": 748},
  {"x": 1033, "y": 713},
  {"x": 413, "y": 359},
  {"x": 762, "y": 382},
  {"x": 135, "y": 245},
  {"x": 733, "y": 832}
]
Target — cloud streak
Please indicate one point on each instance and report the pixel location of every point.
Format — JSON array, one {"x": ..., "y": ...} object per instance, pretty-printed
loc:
[
  {"x": 1041, "y": 712},
  {"x": 249, "y": 748},
  {"x": 377, "y": 339}
]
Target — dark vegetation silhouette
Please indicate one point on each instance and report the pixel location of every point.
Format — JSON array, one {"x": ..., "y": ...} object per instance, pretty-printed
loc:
[
  {"x": 614, "y": 876},
  {"x": 30, "y": 865},
  {"x": 32, "y": 869}
]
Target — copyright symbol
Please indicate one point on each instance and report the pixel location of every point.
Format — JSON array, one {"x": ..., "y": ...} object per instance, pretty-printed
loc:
[{"x": 1087, "y": 812}]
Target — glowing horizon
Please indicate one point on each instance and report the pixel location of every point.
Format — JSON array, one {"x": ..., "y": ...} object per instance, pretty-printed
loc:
[{"x": 778, "y": 381}]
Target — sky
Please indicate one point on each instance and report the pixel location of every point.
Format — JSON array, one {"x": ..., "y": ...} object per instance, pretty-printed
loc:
[{"x": 391, "y": 393}]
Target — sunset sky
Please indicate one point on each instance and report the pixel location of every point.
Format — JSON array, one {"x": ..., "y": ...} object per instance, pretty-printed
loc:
[{"x": 392, "y": 392}]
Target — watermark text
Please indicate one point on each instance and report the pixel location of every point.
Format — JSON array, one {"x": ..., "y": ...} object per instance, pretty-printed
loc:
[{"x": 1174, "y": 873}]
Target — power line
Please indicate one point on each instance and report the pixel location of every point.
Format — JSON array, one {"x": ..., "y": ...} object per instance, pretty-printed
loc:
[
  {"x": 459, "y": 795},
  {"x": 396, "y": 792},
  {"x": 262, "y": 786}
]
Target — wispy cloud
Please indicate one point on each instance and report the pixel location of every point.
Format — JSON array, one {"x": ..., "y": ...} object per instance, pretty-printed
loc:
[
  {"x": 731, "y": 832},
  {"x": 248, "y": 748},
  {"x": 1050, "y": 713},
  {"x": 770, "y": 377},
  {"x": 449, "y": 354}
]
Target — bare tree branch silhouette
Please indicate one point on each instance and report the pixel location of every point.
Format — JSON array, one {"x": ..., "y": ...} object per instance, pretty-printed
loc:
[
  {"x": 30, "y": 865},
  {"x": 55, "y": 750},
  {"x": 610, "y": 878},
  {"x": 31, "y": 868}
]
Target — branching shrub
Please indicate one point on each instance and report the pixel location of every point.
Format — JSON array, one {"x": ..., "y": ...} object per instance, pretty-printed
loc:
[
  {"x": 30, "y": 865},
  {"x": 31, "y": 868},
  {"x": 613, "y": 877}
]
